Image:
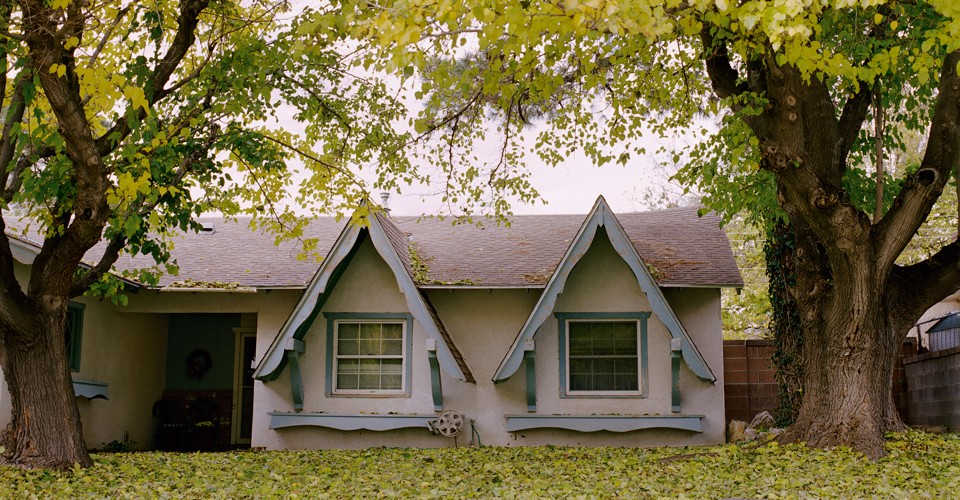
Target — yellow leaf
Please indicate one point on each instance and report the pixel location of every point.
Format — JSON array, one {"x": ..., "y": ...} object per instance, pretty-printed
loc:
[{"x": 878, "y": 18}]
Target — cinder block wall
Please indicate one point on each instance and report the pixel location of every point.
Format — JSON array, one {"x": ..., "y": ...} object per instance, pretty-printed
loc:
[
  {"x": 750, "y": 383},
  {"x": 933, "y": 394}
]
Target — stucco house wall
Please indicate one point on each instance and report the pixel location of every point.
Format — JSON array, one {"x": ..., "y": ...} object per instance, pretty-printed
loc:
[
  {"x": 483, "y": 324},
  {"x": 126, "y": 348},
  {"x": 125, "y": 351},
  {"x": 367, "y": 286}
]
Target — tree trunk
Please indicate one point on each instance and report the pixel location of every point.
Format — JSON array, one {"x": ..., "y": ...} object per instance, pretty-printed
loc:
[
  {"x": 850, "y": 344},
  {"x": 45, "y": 430},
  {"x": 779, "y": 254}
]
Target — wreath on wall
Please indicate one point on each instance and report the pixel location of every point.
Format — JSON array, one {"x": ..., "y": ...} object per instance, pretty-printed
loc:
[{"x": 199, "y": 363}]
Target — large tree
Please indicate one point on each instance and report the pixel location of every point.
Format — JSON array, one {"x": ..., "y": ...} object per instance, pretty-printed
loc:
[
  {"x": 122, "y": 121},
  {"x": 795, "y": 84}
]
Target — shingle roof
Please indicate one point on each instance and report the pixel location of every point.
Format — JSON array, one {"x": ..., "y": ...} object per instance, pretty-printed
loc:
[
  {"x": 233, "y": 253},
  {"x": 684, "y": 250}
]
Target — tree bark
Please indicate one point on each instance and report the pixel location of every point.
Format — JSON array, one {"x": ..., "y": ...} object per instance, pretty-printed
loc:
[
  {"x": 45, "y": 430},
  {"x": 850, "y": 342},
  {"x": 855, "y": 303}
]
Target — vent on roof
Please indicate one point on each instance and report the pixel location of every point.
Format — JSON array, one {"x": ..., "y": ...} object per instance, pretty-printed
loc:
[
  {"x": 385, "y": 201},
  {"x": 207, "y": 228}
]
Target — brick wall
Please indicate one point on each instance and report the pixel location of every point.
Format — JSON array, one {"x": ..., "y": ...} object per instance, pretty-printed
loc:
[
  {"x": 750, "y": 382},
  {"x": 933, "y": 380}
]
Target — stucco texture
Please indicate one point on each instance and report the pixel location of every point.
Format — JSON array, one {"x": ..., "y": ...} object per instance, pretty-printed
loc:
[{"x": 483, "y": 324}]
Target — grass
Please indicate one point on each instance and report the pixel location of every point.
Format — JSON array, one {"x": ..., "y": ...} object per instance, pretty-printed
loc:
[{"x": 918, "y": 465}]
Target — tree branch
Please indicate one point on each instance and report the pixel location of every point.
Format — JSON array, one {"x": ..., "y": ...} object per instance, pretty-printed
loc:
[
  {"x": 155, "y": 89},
  {"x": 925, "y": 283},
  {"x": 851, "y": 120},
  {"x": 106, "y": 36},
  {"x": 10, "y": 288},
  {"x": 8, "y": 143},
  {"x": 116, "y": 245},
  {"x": 723, "y": 77},
  {"x": 922, "y": 189}
]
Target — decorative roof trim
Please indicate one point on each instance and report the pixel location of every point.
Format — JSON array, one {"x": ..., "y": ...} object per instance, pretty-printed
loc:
[
  {"x": 601, "y": 216},
  {"x": 324, "y": 281},
  {"x": 275, "y": 358},
  {"x": 418, "y": 304}
]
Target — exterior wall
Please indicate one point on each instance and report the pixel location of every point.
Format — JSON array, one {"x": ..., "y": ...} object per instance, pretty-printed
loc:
[
  {"x": 367, "y": 286},
  {"x": 265, "y": 310},
  {"x": 750, "y": 383},
  {"x": 483, "y": 324},
  {"x": 602, "y": 282},
  {"x": 933, "y": 394},
  {"x": 126, "y": 347},
  {"x": 126, "y": 351}
]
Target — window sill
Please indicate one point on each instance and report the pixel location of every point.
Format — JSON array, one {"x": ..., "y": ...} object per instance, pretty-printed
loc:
[
  {"x": 612, "y": 423},
  {"x": 280, "y": 420},
  {"x": 90, "y": 389}
]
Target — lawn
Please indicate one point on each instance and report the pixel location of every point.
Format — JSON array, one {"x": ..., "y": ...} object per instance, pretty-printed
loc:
[{"x": 918, "y": 465}]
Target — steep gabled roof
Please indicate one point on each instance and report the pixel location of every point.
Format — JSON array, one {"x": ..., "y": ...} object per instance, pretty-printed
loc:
[
  {"x": 388, "y": 241},
  {"x": 686, "y": 249},
  {"x": 602, "y": 218}
]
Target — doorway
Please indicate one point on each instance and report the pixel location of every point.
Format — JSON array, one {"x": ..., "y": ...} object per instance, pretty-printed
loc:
[{"x": 246, "y": 351}]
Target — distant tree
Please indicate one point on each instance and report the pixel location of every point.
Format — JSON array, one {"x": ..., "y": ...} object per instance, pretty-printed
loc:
[{"x": 794, "y": 82}]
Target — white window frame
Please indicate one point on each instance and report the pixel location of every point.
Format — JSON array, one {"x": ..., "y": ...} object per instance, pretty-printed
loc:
[
  {"x": 566, "y": 360},
  {"x": 404, "y": 358}
]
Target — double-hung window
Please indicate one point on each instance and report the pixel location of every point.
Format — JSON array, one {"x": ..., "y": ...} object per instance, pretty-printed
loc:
[
  {"x": 603, "y": 354},
  {"x": 369, "y": 356}
]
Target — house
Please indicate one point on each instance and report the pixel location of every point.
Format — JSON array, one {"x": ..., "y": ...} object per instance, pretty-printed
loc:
[{"x": 596, "y": 330}]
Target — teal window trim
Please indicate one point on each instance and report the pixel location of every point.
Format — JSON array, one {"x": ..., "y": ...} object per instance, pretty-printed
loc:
[
  {"x": 405, "y": 318},
  {"x": 640, "y": 317},
  {"x": 436, "y": 384},
  {"x": 74, "y": 322},
  {"x": 530, "y": 358},
  {"x": 675, "y": 349}
]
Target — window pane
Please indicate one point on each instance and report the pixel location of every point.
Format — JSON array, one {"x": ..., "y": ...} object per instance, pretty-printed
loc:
[
  {"x": 579, "y": 382},
  {"x": 392, "y": 378},
  {"x": 347, "y": 374},
  {"x": 392, "y": 331},
  {"x": 580, "y": 344},
  {"x": 369, "y": 373},
  {"x": 625, "y": 338},
  {"x": 392, "y": 347},
  {"x": 392, "y": 382},
  {"x": 603, "y": 356},
  {"x": 348, "y": 338},
  {"x": 370, "y": 356},
  {"x": 369, "y": 338}
]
